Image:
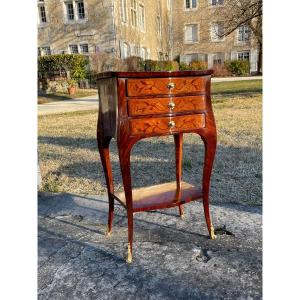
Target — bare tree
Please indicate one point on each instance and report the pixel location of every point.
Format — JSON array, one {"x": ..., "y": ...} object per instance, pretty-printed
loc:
[{"x": 242, "y": 12}]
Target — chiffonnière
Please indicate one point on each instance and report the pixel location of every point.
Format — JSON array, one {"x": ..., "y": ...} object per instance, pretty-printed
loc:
[{"x": 138, "y": 105}]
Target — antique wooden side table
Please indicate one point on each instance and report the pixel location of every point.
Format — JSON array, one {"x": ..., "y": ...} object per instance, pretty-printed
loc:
[{"x": 137, "y": 105}]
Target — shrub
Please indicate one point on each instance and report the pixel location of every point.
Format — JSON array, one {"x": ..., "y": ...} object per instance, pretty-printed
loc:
[
  {"x": 198, "y": 65},
  {"x": 74, "y": 64},
  {"x": 160, "y": 65},
  {"x": 220, "y": 71},
  {"x": 183, "y": 66},
  {"x": 238, "y": 67},
  {"x": 133, "y": 63}
]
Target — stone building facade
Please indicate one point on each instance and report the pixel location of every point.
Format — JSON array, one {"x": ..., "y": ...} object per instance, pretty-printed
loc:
[
  {"x": 151, "y": 29},
  {"x": 197, "y": 32},
  {"x": 120, "y": 28}
]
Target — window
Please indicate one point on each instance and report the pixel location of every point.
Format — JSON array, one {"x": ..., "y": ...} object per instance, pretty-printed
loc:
[
  {"x": 191, "y": 33},
  {"x": 243, "y": 33},
  {"x": 70, "y": 11},
  {"x": 133, "y": 9},
  {"x": 73, "y": 49},
  {"x": 245, "y": 55},
  {"x": 169, "y": 4},
  {"x": 80, "y": 10},
  {"x": 44, "y": 51},
  {"x": 125, "y": 50},
  {"x": 217, "y": 2},
  {"x": 123, "y": 11},
  {"x": 142, "y": 17},
  {"x": 144, "y": 53},
  {"x": 42, "y": 10},
  {"x": 217, "y": 32},
  {"x": 189, "y": 4},
  {"x": 218, "y": 58},
  {"x": 158, "y": 26},
  {"x": 84, "y": 48}
]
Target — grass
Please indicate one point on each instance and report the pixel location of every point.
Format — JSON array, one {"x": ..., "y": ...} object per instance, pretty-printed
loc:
[
  {"x": 237, "y": 87},
  {"x": 69, "y": 158},
  {"x": 65, "y": 96}
]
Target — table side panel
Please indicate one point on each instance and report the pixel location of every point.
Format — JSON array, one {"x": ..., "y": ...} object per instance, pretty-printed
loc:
[{"x": 108, "y": 111}]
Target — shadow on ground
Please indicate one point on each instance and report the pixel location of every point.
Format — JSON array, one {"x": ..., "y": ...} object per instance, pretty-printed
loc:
[
  {"x": 236, "y": 175},
  {"x": 173, "y": 258}
]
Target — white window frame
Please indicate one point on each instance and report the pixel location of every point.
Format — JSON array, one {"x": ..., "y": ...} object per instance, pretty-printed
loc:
[
  {"x": 75, "y": 10},
  {"x": 158, "y": 26},
  {"x": 245, "y": 28},
  {"x": 214, "y": 35},
  {"x": 83, "y": 44},
  {"x": 221, "y": 55},
  {"x": 217, "y": 3},
  {"x": 243, "y": 54},
  {"x": 141, "y": 17},
  {"x": 124, "y": 50},
  {"x": 73, "y": 45},
  {"x": 40, "y": 23},
  {"x": 168, "y": 4},
  {"x": 79, "y": 48},
  {"x": 42, "y": 50},
  {"x": 191, "y": 5},
  {"x": 143, "y": 53},
  {"x": 197, "y": 35},
  {"x": 123, "y": 11},
  {"x": 133, "y": 12}
]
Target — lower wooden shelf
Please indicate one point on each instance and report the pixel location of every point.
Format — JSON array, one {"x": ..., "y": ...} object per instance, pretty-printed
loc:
[{"x": 161, "y": 196}]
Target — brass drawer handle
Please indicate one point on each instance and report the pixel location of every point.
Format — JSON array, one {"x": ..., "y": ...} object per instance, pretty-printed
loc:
[
  {"x": 171, "y": 105},
  {"x": 171, "y": 85},
  {"x": 171, "y": 124}
]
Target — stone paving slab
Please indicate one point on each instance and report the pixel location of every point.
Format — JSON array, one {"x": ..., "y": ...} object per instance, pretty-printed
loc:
[{"x": 172, "y": 258}]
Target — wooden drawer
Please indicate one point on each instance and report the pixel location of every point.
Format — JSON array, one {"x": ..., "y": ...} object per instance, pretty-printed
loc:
[
  {"x": 153, "y": 126},
  {"x": 170, "y": 86},
  {"x": 142, "y": 107}
]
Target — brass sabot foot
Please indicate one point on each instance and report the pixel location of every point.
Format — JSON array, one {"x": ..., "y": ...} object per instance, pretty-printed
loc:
[
  {"x": 212, "y": 233},
  {"x": 129, "y": 255}
]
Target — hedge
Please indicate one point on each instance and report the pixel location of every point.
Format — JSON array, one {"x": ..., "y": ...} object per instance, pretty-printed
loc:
[
  {"x": 160, "y": 65},
  {"x": 75, "y": 63},
  {"x": 195, "y": 65},
  {"x": 238, "y": 67}
]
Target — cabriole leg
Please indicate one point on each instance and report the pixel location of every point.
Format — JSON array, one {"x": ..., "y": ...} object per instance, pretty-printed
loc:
[
  {"x": 124, "y": 156},
  {"x": 103, "y": 146},
  {"x": 210, "y": 143},
  {"x": 178, "y": 138}
]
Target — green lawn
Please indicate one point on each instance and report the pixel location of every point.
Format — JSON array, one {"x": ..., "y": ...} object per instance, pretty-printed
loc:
[
  {"x": 65, "y": 96},
  {"x": 237, "y": 87}
]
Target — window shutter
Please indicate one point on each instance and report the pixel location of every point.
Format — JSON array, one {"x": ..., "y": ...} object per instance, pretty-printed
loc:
[
  {"x": 121, "y": 48},
  {"x": 253, "y": 60},
  {"x": 233, "y": 55},
  {"x": 209, "y": 60},
  {"x": 188, "y": 33},
  {"x": 194, "y": 32}
]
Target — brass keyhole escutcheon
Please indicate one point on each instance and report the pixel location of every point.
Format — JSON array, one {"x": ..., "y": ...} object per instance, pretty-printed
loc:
[
  {"x": 171, "y": 105},
  {"x": 171, "y": 124},
  {"x": 171, "y": 85}
]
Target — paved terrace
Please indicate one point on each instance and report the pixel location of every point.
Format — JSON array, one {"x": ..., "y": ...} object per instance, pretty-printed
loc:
[{"x": 173, "y": 258}]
